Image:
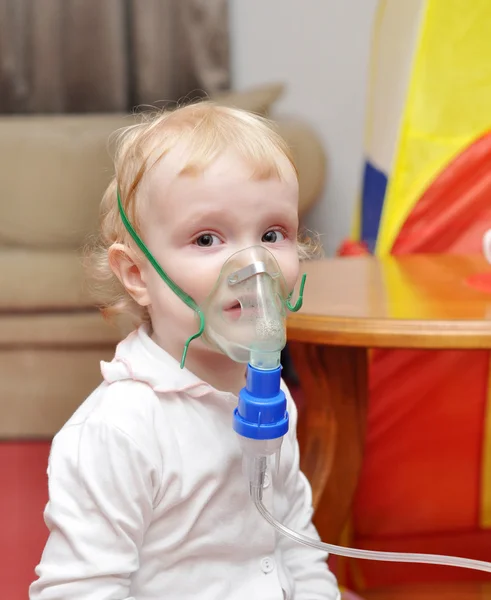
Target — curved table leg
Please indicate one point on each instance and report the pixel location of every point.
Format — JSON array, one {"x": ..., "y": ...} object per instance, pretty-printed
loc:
[{"x": 331, "y": 429}]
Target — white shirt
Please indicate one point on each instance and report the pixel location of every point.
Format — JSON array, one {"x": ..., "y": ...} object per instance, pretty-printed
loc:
[{"x": 147, "y": 499}]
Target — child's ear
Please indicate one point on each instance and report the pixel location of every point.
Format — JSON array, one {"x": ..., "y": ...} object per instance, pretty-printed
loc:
[{"x": 125, "y": 265}]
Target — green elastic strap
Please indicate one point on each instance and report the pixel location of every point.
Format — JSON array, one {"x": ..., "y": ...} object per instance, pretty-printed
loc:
[
  {"x": 173, "y": 286},
  {"x": 298, "y": 304}
]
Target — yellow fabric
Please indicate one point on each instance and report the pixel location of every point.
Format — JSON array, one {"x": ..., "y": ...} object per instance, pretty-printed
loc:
[
  {"x": 395, "y": 33},
  {"x": 448, "y": 103}
]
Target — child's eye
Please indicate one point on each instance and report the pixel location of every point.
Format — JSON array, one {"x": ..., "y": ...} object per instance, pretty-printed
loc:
[
  {"x": 273, "y": 236},
  {"x": 206, "y": 240}
]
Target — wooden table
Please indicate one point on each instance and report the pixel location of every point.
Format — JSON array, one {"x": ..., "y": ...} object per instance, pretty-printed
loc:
[{"x": 352, "y": 305}]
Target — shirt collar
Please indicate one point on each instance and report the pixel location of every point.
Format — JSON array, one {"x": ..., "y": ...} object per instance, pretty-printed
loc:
[{"x": 139, "y": 358}]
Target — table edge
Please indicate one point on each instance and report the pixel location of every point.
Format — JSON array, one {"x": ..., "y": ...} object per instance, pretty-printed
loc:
[{"x": 390, "y": 333}]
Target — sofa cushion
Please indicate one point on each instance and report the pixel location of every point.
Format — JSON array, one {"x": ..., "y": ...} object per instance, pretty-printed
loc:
[
  {"x": 42, "y": 387},
  {"x": 309, "y": 158},
  {"x": 49, "y": 363},
  {"x": 58, "y": 330},
  {"x": 42, "y": 280},
  {"x": 54, "y": 170}
]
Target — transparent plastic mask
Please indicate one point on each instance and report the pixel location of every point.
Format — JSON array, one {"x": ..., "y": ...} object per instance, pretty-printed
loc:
[{"x": 246, "y": 311}]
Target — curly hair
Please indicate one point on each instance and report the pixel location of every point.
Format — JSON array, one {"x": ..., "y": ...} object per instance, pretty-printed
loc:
[{"x": 207, "y": 129}]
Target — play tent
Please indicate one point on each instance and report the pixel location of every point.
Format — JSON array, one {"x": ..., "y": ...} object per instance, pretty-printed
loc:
[{"x": 426, "y": 480}]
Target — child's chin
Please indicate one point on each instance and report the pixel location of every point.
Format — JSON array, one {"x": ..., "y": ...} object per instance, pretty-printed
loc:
[{"x": 240, "y": 356}]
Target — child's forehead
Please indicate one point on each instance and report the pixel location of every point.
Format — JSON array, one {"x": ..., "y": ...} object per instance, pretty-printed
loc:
[
  {"x": 182, "y": 163},
  {"x": 227, "y": 184}
]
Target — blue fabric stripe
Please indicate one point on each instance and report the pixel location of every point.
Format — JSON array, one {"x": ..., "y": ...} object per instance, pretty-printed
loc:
[{"x": 374, "y": 186}]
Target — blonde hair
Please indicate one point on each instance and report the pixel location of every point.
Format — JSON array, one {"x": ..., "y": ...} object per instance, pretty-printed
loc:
[{"x": 206, "y": 129}]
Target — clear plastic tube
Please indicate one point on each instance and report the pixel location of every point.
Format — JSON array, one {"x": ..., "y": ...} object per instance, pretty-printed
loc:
[{"x": 433, "y": 559}]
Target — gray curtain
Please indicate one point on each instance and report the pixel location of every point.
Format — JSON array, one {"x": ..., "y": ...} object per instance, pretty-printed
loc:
[{"x": 109, "y": 55}]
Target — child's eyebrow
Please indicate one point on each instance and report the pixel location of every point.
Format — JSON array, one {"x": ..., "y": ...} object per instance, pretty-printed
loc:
[{"x": 202, "y": 217}]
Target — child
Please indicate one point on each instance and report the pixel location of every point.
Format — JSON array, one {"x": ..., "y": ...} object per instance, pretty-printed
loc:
[{"x": 147, "y": 496}]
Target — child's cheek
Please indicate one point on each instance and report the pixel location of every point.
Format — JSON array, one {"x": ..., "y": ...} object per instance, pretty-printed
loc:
[{"x": 291, "y": 270}]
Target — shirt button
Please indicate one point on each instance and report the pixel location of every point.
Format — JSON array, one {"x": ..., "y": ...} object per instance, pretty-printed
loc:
[
  {"x": 267, "y": 565},
  {"x": 266, "y": 481}
]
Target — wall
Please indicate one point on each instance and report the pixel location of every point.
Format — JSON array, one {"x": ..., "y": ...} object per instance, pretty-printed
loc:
[{"x": 320, "y": 49}]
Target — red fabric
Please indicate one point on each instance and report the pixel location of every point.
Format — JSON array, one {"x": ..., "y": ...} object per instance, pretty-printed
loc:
[
  {"x": 455, "y": 211},
  {"x": 480, "y": 281},
  {"x": 420, "y": 483},
  {"x": 420, "y": 486},
  {"x": 23, "y": 497},
  {"x": 352, "y": 248}
]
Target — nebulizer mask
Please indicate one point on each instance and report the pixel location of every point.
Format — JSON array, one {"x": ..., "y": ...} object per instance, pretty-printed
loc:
[{"x": 244, "y": 316}]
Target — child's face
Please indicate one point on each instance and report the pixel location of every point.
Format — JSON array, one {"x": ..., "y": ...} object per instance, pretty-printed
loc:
[{"x": 193, "y": 224}]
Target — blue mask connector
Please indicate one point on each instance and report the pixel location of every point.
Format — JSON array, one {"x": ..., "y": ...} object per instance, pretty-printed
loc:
[{"x": 261, "y": 420}]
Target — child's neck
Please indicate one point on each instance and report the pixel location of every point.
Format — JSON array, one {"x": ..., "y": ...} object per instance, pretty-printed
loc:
[{"x": 218, "y": 370}]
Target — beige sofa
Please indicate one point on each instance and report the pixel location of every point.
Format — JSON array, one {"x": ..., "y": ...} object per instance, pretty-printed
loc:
[{"x": 53, "y": 173}]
